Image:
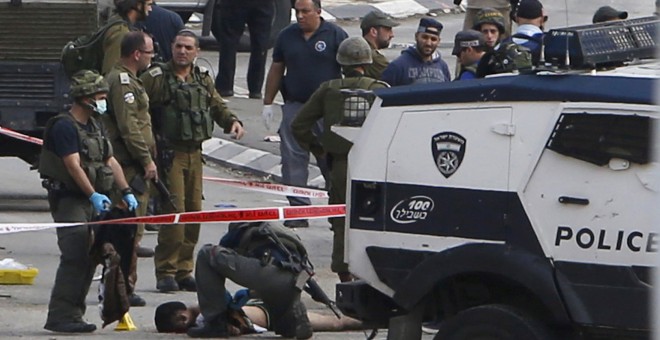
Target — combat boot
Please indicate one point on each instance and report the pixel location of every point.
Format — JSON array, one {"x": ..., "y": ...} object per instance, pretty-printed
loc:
[
  {"x": 214, "y": 329},
  {"x": 294, "y": 323}
]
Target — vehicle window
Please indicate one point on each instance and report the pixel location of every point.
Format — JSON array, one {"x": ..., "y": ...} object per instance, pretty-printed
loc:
[{"x": 597, "y": 138}]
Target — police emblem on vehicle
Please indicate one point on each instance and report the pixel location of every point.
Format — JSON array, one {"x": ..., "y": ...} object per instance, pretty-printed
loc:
[
  {"x": 448, "y": 149},
  {"x": 413, "y": 209}
]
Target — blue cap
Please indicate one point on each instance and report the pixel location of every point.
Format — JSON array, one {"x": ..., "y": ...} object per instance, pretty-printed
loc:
[{"x": 429, "y": 25}]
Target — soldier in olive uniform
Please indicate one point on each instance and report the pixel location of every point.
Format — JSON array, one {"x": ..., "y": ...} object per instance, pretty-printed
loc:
[
  {"x": 377, "y": 31},
  {"x": 78, "y": 170},
  {"x": 188, "y": 104},
  {"x": 329, "y": 103},
  {"x": 129, "y": 125},
  {"x": 127, "y": 13}
]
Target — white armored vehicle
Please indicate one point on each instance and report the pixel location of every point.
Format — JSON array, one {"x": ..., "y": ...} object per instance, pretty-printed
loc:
[{"x": 512, "y": 207}]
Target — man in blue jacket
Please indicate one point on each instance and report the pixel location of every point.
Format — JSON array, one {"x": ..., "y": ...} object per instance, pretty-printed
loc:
[{"x": 420, "y": 63}]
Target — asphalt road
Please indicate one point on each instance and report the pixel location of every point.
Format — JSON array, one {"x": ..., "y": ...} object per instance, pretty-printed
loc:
[{"x": 24, "y": 308}]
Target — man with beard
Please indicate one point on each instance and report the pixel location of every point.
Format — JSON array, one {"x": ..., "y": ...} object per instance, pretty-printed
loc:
[
  {"x": 420, "y": 63},
  {"x": 376, "y": 29},
  {"x": 187, "y": 103},
  {"x": 127, "y": 13}
]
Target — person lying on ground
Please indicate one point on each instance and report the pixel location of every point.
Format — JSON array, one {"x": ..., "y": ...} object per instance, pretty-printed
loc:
[{"x": 246, "y": 316}]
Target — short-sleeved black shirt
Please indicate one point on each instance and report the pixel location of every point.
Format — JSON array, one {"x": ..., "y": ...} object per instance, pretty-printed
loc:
[
  {"x": 62, "y": 137},
  {"x": 308, "y": 62}
]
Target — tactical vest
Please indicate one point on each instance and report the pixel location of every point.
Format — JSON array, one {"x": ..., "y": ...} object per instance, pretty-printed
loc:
[
  {"x": 187, "y": 110},
  {"x": 338, "y": 100},
  {"x": 255, "y": 238},
  {"x": 94, "y": 149}
]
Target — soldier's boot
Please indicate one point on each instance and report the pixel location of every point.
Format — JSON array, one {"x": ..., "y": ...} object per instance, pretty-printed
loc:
[
  {"x": 294, "y": 323},
  {"x": 214, "y": 329}
]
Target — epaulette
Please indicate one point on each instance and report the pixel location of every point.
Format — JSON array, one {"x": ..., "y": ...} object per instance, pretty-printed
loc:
[
  {"x": 155, "y": 71},
  {"x": 124, "y": 78},
  {"x": 202, "y": 70}
]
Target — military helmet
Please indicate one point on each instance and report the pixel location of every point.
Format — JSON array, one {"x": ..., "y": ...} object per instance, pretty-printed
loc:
[
  {"x": 354, "y": 51},
  {"x": 489, "y": 16},
  {"x": 86, "y": 83}
]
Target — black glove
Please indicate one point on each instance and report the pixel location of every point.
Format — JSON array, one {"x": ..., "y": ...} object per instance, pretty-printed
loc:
[{"x": 457, "y": 2}]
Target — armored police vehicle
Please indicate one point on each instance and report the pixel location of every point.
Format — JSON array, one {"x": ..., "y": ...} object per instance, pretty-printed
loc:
[{"x": 515, "y": 206}]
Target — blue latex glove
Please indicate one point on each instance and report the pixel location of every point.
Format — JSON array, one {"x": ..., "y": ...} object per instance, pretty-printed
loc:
[
  {"x": 100, "y": 202},
  {"x": 130, "y": 201}
]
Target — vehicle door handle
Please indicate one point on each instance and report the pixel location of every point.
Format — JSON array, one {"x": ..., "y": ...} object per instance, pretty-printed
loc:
[{"x": 573, "y": 200}]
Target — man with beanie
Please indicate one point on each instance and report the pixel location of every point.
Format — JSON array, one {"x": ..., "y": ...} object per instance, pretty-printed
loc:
[
  {"x": 420, "y": 63},
  {"x": 469, "y": 47},
  {"x": 377, "y": 30}
]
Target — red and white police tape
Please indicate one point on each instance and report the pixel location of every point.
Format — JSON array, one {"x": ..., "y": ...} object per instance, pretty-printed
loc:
[
  {"x": 270, "y": 188},
  {"x": 18, "y": 135},
  {"x": 266, "y": 187},
  {"x": 208, "y": 216}
]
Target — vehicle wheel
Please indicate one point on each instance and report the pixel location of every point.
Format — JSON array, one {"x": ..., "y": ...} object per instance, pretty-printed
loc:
[{"x": 497, "y": 322}]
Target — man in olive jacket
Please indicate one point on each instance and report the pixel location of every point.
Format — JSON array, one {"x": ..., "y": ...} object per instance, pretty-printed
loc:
[
  {"x": 185, "y": 105},
  {"x": 328, "y": 103}
]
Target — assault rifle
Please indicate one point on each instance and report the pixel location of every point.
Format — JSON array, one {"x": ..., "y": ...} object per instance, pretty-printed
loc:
[
  {"x": 139, "y": 187},
  {"x": 298, "y": 265}
]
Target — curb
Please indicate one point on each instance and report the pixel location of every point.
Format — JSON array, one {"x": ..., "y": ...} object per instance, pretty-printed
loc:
[
  {"x": 398, "y": 9},
  {"x": 258, "y": 162}
]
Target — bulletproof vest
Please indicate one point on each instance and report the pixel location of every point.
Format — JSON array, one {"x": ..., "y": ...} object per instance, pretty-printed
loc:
[
  {"x": 94, "y": 149},
  {"x": 254, "y": 240},
  {"x": 187, "y": 110},
  {"x": 348, "y": 97}
]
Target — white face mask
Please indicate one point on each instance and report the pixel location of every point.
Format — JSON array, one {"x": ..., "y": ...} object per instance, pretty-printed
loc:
[{"x": 100, "y": 106}]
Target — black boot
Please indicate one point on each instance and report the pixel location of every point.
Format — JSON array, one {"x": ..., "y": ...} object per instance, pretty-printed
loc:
[{"x": 214, "y": 329}]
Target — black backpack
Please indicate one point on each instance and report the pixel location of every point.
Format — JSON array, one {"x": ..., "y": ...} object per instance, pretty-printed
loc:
[{"x": 86, "y": 51}]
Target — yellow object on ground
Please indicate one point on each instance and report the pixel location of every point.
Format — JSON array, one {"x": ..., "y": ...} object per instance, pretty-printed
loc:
[
  {"x": 18, "y": 276},
  {"x": 126, "y": 324}
]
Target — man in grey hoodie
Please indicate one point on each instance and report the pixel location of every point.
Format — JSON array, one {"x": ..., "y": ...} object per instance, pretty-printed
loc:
[{"x": 420, "y": 63}]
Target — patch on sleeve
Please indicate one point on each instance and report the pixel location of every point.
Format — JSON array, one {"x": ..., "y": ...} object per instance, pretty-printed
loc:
[
  {"x": 156, "y": 71},
  {"x": 129, "y": 97},
  {"x": 382, "y": 83},
  {"x": 124, "y": 79}
]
